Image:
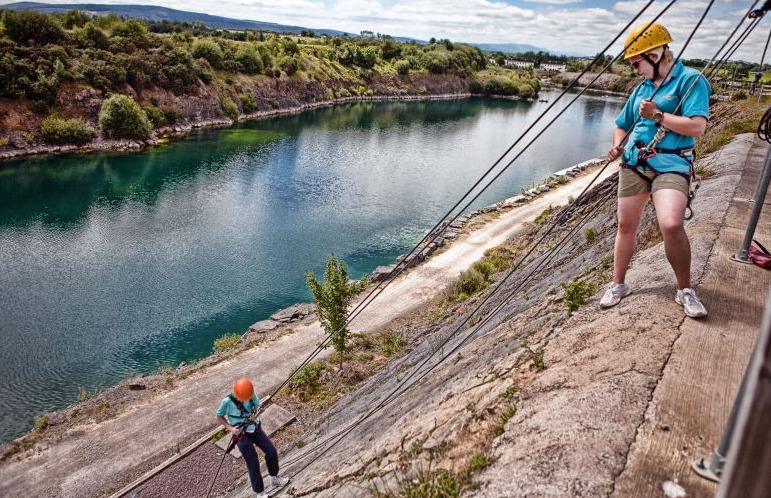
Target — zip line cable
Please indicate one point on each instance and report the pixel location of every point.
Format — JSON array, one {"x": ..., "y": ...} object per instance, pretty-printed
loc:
[
  {"x": 491, "y": 314},
  {"x": 557, "y": 221},
  {"x": 495, "y": 311},
  {"x": 735, "y": 44},
  {"x": 378, "y": 290}
]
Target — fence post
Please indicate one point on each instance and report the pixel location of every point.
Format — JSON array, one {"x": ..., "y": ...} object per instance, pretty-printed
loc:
[{"x": 746, "y": 472}]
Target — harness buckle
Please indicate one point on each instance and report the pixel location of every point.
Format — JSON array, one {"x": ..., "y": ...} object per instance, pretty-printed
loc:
[{"x": 646, "y": 153}]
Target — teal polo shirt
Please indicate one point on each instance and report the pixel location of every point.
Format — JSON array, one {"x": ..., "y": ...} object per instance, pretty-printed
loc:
[
  {"x": 667, "y": 100},
  {"x": 229, "y": 410}
]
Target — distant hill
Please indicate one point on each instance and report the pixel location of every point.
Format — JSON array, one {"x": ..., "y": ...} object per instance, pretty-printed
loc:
[
  {"x": 518, "y": 48},
  {"x": 153, "y": 13}
]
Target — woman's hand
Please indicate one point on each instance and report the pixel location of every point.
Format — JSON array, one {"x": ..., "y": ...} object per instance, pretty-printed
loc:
[
  {"x": 648, "y": 108},
  {"x": 614, "y": 152}
]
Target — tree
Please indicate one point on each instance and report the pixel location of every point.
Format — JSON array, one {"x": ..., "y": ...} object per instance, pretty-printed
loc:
[
  {"x": 28, "y": 27},
  {"x": 333, "y": 298}
]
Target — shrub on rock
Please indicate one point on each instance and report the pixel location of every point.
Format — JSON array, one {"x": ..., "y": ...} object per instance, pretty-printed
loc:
[{"x": 121, "y": 117}]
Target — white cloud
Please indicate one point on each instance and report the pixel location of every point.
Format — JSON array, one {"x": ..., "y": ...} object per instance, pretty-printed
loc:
[{"x": 555, "y": 25}]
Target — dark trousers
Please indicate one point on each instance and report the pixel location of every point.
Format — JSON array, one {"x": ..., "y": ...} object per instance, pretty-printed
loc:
[{"x": 246, "y": 446}]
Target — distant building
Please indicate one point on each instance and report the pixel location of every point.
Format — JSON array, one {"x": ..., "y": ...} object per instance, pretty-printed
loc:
[
  {"x": 553, "y": 66},
  {"x": 518, "y": 63}
]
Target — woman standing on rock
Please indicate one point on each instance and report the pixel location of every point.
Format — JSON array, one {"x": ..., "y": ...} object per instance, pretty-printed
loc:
[{"x": 679, "y": 111}]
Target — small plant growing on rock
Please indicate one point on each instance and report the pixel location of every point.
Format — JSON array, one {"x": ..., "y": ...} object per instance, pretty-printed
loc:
[
  {"x": 576, "y": 293},
  {"x": 41, "y": 423},
  {"x": 590, "y": 234},
  {"x": 226, "y": 342}
]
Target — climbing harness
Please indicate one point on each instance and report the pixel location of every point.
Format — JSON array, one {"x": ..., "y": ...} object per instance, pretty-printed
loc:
[{"x": 651, "y": 150}]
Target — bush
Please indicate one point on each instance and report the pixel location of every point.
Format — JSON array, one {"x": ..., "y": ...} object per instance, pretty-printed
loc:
[
  {"x": 121, "y": 117},
  {"x": 41, "y": 423},
  {"x": 485, "y": 267},
  {"x": 402, "y": 67},
  {"x": 208, "y": 50},
  {"x": 28, "y": 27},
  {"x": 75, "y": 18},
  {"x": 57, "y": 131},
  {"x": 740, "y": 95},
  {"x": 590, "y": 234},
  {"x": 230, "y": 109},
  {"x": 249, "y": 59},
  {"x": 470, "y": 282},
  {"x": 247, "y": 103},
  {"x": 156, "y": 116}
]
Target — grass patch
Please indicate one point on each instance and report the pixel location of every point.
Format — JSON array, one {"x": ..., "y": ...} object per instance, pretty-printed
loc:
[
  {"x": 218, "y": 435},
  {"x": 545, "y": 216},
  {"x": 503, "y": 419},
  {"x": 226, "y": 342},
  {"x": 704, "y": 171},
  {"x": 84, "y": 394},
  {"x": 390, "y": 342}
]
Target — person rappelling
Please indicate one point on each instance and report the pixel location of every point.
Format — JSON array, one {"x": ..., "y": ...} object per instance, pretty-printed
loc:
[
  {"x": 666, "y": 113},
  {"x": 237, "y": 413}
]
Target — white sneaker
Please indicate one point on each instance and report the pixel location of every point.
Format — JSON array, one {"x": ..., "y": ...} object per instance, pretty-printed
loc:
[
  {"x": 279, "y": 482},
  {"x": 690, "y": 303},
  {"x": 262, "y": 495},
  {"x": 614, "y": 294}
]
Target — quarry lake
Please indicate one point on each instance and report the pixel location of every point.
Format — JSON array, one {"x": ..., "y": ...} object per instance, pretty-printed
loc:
[{"x": 115, "y": 264}]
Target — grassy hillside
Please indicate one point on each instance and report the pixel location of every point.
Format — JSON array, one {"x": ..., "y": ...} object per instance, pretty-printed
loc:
[{"x": 58, "y": 71}]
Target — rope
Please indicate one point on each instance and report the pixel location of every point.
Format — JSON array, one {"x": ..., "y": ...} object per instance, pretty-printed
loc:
[
  {"x": 383, "y": 285},
  {"x": 392, "y": 396},
  {"x": 556, "y": 223},
  {"x": 764, "y": 128}
]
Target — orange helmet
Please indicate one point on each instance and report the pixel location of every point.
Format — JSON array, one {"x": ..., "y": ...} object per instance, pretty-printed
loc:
[{"x": 243, "y": 389}]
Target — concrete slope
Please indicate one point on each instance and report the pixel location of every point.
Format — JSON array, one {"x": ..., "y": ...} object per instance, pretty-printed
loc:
[
  {"x": 634, "y": 393},
  {"x": 691, "y": 403}
]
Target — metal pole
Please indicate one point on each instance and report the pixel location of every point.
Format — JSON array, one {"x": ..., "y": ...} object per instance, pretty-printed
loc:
[
  {"x": 757, "y": 194},
  {"x": 712, "y": 468},
  {"x": 761, "y": 190},
  {"x": 746, "y": 472}
]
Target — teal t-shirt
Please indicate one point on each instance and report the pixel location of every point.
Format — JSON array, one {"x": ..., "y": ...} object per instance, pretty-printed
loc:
[
  {"x": 672, "y": 91},
  {"x": 229, "y": 410}
]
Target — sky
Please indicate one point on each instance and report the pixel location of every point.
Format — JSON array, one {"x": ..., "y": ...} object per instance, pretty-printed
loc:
[{"x": 573, "y": 26}]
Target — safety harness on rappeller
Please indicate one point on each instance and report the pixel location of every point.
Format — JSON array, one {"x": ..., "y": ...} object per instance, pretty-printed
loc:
[{"x": 646, "y": 152}]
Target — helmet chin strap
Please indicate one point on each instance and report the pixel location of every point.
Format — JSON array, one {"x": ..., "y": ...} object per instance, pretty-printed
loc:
[{"x": 656, "y": 64}]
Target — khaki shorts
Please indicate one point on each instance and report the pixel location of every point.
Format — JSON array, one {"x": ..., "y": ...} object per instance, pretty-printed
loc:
[{"x": 630, "y": 183}]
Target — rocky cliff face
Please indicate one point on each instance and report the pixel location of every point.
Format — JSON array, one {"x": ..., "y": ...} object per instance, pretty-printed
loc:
[{"x": 20, "y": 124}]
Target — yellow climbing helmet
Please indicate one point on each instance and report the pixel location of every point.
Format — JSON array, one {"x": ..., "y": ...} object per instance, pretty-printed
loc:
[{"x": 655, "y": 36}]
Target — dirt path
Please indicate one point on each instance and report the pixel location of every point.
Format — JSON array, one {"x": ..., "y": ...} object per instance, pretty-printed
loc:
[{"x": 94, "y": 460}]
